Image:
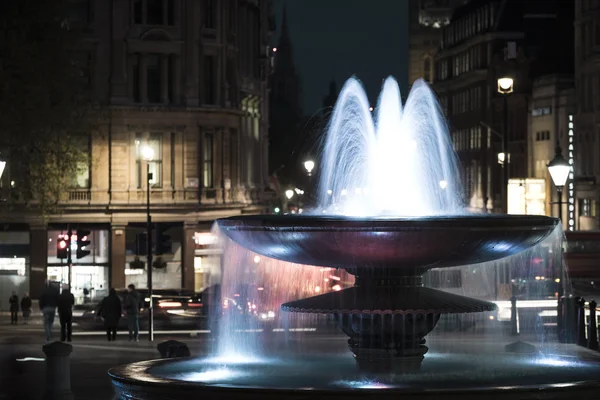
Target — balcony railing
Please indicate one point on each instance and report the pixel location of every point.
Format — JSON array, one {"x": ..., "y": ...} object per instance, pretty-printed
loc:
[{"x": 79, "y": 195}]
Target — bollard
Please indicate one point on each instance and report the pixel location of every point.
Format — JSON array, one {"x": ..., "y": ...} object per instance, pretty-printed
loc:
[
  {"x": 173, "y": 349},
  {"x": 513, "y": 316},
  {"x": 581, "y": 339},
  {"x": 569, "y": 321},
  {"x": 593, "y": 328},
  {"x": 58, "y": 371}
]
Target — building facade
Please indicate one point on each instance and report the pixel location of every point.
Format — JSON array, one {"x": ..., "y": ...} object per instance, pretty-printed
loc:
[
  {"x": 551, "y": 113},
  {"x": 487, "y": 40},
  {"x": 587, "y": 118},
  {"x": 426, "y": 18},
  {"x": 188, "y": 79}
]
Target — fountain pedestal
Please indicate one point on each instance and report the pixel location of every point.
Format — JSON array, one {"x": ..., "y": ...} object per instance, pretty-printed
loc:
[{"x": 387, "y": 317}]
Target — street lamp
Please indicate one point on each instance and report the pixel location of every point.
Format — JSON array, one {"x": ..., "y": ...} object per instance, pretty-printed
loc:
[
  {"x": 289, "y": 194},
  {"x": 505, "y": 88},
  {"x": 148, "y": 156},
  {"x": 559, "y": 169},
  {"x": 309, "y": 166}
]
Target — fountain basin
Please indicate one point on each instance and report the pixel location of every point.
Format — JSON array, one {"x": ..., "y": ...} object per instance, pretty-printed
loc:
[
  {"x": 442, "y": 376},
  {"x": 401, "y": 246}
]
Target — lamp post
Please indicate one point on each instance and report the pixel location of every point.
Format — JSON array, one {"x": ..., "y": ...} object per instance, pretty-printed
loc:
[
  {"x": 559, "y": 169},
  {"x": 148, "y": 156},
  {"x": 505, "y": 88},
  {"x": 309, "y": 165}
]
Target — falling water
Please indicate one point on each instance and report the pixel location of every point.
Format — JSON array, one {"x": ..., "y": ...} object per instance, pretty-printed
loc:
[
  {"x": 398, "y": 163},
  {"x": 401, "y": 163}
]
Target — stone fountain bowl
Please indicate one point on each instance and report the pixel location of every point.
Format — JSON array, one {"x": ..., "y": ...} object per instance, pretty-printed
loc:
[{"x": 410, "y": 246}]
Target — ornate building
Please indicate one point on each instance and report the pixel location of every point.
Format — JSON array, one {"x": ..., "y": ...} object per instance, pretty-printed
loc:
[
  {"x": 189, "y": 79},
  {"x": 426, "y": 18},
  {"x": 485, "y": 40},
  {"x": 285, "y": 109},
  {"x": 587, "y": 119}
]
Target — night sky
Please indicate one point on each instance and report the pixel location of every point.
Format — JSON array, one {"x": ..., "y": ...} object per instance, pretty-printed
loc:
[{"x": 340, "y": 38}]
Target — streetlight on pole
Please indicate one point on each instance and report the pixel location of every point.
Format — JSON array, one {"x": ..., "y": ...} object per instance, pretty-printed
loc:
[
  {"x": 148, "y": 156},
  {"x": 505, "y": 88},
  {"x": 559, "y": 169},
  {"x": 309, "y": 166}
]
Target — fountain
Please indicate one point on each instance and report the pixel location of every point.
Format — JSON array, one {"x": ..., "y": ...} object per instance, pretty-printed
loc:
[{"x": 389, "y": 210}]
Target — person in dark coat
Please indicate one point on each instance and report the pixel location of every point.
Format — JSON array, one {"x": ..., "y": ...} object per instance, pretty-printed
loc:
[
  {"x": 14, "y": 308},
  {"x": 48, "y": 304},
  {"x": 132, "y": 308},
  {"x": 110, "y": 311},
  {"x": 66, "y": 300},
  {"x": 26, "y": 307}
]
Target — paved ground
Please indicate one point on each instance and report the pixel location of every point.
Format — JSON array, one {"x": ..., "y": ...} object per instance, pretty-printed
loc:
[{"x": 92, "y": 355}]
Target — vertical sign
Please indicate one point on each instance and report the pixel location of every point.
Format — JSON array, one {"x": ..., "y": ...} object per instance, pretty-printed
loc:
[{"x": 571, "y": 185}]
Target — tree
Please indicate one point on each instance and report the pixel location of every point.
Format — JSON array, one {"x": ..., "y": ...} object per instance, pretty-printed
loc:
[{"x": 46, "y": 117}]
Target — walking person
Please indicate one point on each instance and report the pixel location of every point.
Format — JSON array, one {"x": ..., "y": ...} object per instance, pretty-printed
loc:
[
  {"x": 13, "y": 301},
  {"x": 48, "y": 304},
  {"x": 66, "y": 300},
  {"x": 110, "y": 311},
  {"x": 26, "y": 307},
  {"x": 132, "y": 308}
]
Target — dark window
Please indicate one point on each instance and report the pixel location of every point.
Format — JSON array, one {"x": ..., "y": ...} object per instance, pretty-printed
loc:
[
  {"x": 171, "y": 12},
  {"x": 427, "y": 70},
  {"x": 171, "y": 83},
  {"x": 153, "y": 78},
  {"x": 81, "y": 176},
  {"x": 135, "y": 76},
  {"x": 208, "y": 161},
  {"x": 209, "y": 14},
  {"x": 209, "y": 80},
  {"x": 155, "y": 13},
  {"x": 137, "y": 11}
]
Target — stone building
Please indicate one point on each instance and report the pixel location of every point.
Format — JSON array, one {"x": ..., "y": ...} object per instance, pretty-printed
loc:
[
  {"x": 426, "y": 18},
  {"x": 587, "y": 118},
  {"x": 187, "y": 78},
  {"x": 485, "y": 40}
]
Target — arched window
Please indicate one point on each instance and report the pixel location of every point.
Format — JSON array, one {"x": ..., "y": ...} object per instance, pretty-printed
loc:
[{"x": 427, "y": 69}]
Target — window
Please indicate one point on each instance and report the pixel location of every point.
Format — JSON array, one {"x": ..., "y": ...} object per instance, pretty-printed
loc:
[
  {"x": 153, "y": 78},
  {"x": 541, "y": 111},
  {"x": 153, "y": 140},
  {"x": 80, "y": 11},
  {"x": 541, "y": 136},
  {"x": 208, "y": 161},
  {"x": 135, "y": 77},
  {"x": 81, "y": 177},
  {"x": 171, "y": 77},
  {"x": 137, "y": 12},
  {"x": 587, "y": 207},
  {"x": 209, "y": 80},
  {"x": 208, "y": 14},
  {"x": 82, "y": 64},
  {"x": 154, "y": 10},
  {"x": 171, "y": 12}
]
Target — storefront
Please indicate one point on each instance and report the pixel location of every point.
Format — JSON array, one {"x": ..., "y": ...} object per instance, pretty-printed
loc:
[
  {"x": 167, "y": 254},
  {"x": 207, "y": 261},
  {"x": 89, "y": 275},
  {"x": 14, "y": 265}
]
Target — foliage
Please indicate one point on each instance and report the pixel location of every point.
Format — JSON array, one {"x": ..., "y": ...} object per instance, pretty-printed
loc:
[
  {"x": 137, "y": 263},
  {"x": 159, "y": 263},
  {"x": 47, "y": 117}
]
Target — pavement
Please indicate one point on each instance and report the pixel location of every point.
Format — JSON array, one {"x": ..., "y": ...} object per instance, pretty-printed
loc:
[{"x": 23, "y": 368}]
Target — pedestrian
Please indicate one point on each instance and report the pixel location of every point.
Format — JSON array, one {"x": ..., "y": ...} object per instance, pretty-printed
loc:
[
  {"x": 132, "y": 308},
  {"x": 66, "y": 300},
  {"x": 48, "y": 304},
  {"x": 110, "y": 310},
  {"x": 26, "y": 307},
  {"x": 14, "y": 308}
]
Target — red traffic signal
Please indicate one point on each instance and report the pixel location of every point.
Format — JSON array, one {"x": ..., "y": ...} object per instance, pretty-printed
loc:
[{"x": 62, "y": 248}]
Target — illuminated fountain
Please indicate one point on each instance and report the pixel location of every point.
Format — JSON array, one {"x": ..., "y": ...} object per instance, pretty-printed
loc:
[{"x": 389, "y": 210}]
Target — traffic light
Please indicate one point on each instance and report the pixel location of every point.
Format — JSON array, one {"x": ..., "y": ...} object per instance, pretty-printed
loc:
[
  {"x": 163, "y": 242},
  {"x": 62, "y": 247},
  {"x": 83, "y": 240}
]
